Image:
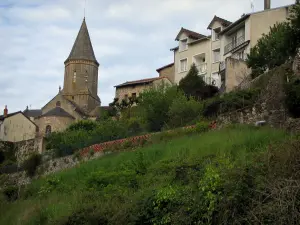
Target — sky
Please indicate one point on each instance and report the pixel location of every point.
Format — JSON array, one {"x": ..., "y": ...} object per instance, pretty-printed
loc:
[{"x": 131, "y": 39}]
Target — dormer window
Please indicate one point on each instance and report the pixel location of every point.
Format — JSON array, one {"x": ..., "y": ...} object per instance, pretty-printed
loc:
[
  {"x": 216, "y": 33},
  {"x": 183, "y": 45}
]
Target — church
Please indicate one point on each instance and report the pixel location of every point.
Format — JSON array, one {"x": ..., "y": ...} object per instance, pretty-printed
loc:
[{"x": 78, "y": 99}]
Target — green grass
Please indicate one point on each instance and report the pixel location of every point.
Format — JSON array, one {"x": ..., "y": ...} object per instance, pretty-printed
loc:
[{"x": 156, "y": 184}]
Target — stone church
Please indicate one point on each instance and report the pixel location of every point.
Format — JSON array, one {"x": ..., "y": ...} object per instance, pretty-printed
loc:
[{"x": 78, "y": 99}]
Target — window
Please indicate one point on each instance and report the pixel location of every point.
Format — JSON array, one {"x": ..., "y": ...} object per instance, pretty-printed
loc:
[
  {"x": 183, "y": 45},
  {"x": 216, "y": 55},
  {"x": 58, "y": 104},
  {"x": 125, "y": 97},
  {"x": 48, "y": 130},
  {"x": 183, "y": 65},
  {"x": 216, "y": 33},
  {"x": 74, "y": 77}
]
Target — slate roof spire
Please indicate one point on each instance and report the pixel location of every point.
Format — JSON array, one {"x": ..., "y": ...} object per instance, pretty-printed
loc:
[{"x": 82, "y": 48}]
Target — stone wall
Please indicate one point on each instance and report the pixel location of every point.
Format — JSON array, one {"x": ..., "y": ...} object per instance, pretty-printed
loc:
[
  {"x": 168, "y": 72},
  {"x": 26, "y": 148},
  {"x": 57, "y": 123},
  {"x": 250, "y": 115}
]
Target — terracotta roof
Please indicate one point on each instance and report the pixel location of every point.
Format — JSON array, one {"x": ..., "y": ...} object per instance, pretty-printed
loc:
[
  {"x": 32, "y": 112},
  {"x": 143, "y": 81},
  {"x": 221, "y": 20},
  {"x": 57, "y": 111},
  {"x": 164, "y": 67},
  {"x": 190, "y": 34},
  {"x": 82, "y": 48}
]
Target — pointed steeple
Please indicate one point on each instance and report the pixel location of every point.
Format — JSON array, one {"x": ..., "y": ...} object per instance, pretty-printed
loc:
[{"x": 82, "y": 48}]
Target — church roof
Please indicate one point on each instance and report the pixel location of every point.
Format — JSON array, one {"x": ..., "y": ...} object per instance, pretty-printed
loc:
[
  {"x": 82, "y": 48},
  {"x": 57, "y": 111},
  {"x": 32, "y": 112}
]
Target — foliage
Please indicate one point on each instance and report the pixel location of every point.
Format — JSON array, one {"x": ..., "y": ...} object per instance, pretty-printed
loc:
[
  {"x": 230, "y": 101},
  {"x": 10, "y": 193},
  {"x": 30, "y": 165},
  {"x": 292, "y": 91},
  {"x": 155, "y": 104},
  {"x": 83, "y": 125},
  {"x": 202, "y": 126},
  {"x": 276, "y": 47},
  {"x": 194, "y": 86},
  {"x": 183, "y": 112},
  {"x": 218, "y": 177}
]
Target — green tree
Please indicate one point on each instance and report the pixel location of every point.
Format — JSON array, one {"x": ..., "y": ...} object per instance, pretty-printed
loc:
[
  {"x": 155, "y": 104},
  {"x": 194, "y": 86},
  {"x": 272, "y": 49}
]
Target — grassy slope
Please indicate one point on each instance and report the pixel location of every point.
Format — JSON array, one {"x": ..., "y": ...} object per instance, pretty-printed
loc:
[{"x": 119, "y": 185}]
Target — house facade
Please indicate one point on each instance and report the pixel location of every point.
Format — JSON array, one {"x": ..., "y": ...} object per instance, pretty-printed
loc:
[
  {"x": 133, "y": 89},
  {"x": 204, "y": 51},
  {"x": 242, "y": 35},
  {"x": 16, "y": 127}
]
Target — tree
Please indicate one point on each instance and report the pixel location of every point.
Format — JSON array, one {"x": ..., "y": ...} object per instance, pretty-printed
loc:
[
  {"x": 272, "y": 49},
  {"x": 194, "y": 86}
]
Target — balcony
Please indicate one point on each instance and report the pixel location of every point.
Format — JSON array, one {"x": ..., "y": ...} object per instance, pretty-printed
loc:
[
  {"x": 240, "y": 40},
  {"x": 202, "y": 68}
]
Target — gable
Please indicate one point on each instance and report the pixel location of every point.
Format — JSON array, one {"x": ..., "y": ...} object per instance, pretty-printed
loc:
[{"x": 64, "y": 104}]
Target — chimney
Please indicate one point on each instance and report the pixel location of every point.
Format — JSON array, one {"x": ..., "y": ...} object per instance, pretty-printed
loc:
[
  {"x": 267, "y": 4},
  {"x": 5, "y": 111}
]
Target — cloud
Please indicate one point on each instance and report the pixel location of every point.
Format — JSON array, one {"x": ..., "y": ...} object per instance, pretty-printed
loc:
[{"x": 131, "y": 39}]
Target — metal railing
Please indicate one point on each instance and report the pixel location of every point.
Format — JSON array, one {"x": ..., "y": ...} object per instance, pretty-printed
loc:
[
  {"x": 202, "y": 68},
  {"x": 240, "y": 40}
]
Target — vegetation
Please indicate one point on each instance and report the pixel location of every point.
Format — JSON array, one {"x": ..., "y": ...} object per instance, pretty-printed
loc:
[
  {"x": 278, "y": 46},
  {"x": 238, "y": 175},
  {"x": 30, "y": 165},
  {"x": 194, "y": 86}
]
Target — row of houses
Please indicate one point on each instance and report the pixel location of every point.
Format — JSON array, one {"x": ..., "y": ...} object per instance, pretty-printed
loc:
[{"x": 220, "y": 57}]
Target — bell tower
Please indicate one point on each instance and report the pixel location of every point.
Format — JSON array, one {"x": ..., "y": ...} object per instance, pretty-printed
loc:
[{"x": 81, "y": 72}]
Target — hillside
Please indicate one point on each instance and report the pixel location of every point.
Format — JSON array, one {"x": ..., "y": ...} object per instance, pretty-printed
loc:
[{"x": 236, "y": 175}]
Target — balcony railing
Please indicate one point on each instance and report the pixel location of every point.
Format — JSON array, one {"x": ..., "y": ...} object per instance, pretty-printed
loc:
[
  {"x": 202, "y": 68},
  {"x": 240, "y": 40}
]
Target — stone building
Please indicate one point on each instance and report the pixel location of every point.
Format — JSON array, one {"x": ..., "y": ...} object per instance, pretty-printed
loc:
[
  {"x": 16, "y": 127},
  {"x": 135, "y": 88},
  {"x": 78, "y": 99},
  {"x": 167, "y": 71}
]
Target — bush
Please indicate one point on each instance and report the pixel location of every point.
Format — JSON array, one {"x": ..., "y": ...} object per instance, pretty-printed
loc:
[
  {"x": 155, "y": 104},
  {"x": 10, "y": 193},
  {"x": 84, "y": 125},
  {"x": 230, "y": 102},
  {"x": 202, "y": 126},
  {"x": 183, "y": 111},
  {"x": 30, "y": 165}
]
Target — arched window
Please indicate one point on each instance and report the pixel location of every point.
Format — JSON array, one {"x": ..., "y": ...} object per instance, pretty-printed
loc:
[
  {"x": 74, "y": 77},
  {"x": 58, "y": 104},
  {"x": 48, "y": 130}
]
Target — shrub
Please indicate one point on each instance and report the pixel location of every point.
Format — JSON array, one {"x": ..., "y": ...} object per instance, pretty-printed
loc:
[
  {"x": 10, "y": 193},
  {"x": 30, "y": 165},
  {"x": 155, "y": 104},
  {"x": 85, "y": 125},
  {"x": 230, "y": 102},
  {"x": 202, "y": 126},
  {"x": 183, "y": 111}
]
